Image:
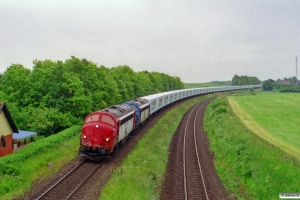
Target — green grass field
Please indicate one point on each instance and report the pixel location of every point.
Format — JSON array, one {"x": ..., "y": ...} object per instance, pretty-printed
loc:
[
  {"x": 248, "y": 166},
  {"x": 273, "y": 116}
]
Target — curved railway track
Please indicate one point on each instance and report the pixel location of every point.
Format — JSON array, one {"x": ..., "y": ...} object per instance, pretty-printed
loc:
[
  {"x": 194, "y": 181},
  {"x": 190, "y": 171},
  {"x": 68, "y": 185}
]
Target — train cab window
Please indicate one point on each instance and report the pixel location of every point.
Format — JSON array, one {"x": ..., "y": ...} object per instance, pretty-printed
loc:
[
  {"x": 108, "y": 120},
  {"x": 92, "y": 118}
]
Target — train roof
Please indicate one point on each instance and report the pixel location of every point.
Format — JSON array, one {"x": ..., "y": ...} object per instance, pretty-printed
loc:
[
  {"x": 153, "y": 96},
  {"x": 141, "y": 103},
  {"x": 119, "y": 110}
]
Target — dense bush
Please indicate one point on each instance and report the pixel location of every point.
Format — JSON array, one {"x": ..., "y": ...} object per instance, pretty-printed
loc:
[
  {"x": 290, "y": 91},
  {"x": 218, "y": 105},
  {"x": 267, "y": 85},
  {"x": 281, "y": 87}
]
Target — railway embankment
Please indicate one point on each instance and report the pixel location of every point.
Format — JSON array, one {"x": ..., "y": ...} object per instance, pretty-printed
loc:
[
  {"x": 273, "y": 117},
  {"x": 249, "y": 167}
]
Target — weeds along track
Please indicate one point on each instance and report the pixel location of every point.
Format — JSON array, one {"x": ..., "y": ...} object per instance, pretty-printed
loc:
[{"x": 190, "y": 171}]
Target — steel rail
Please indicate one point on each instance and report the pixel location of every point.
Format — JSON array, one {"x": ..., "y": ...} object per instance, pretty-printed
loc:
[
  {"x": 60, "y": 180},
  {"x": 89, "y": 176},
  {"x": 183, "y": 151},
  {"x": 184, "y": 148},
  {"x": 198, "y": 159},
  {"x": 84, "y": 181}
]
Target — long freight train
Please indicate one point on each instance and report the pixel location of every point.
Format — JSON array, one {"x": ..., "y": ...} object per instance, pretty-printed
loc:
[{"x": 104, "y": 131}]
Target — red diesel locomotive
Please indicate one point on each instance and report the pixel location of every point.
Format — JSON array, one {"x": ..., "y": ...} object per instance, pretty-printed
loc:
[{"x": 105, "y": 130}]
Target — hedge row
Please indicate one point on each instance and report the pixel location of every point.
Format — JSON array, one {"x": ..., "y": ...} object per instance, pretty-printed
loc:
[
  {"x": 39, "y": 146},
  {"x": 290, "y": 91}
]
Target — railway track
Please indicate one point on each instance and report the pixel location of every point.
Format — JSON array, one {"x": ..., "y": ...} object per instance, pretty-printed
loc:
[
  {"x": 194, "y": 180},
  {"x": 68, "y": 186},
  {"x": 190, "y": 171}
]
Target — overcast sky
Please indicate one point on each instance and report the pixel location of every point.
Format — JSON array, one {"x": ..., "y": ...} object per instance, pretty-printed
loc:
[{"x": 196, "y": 40}]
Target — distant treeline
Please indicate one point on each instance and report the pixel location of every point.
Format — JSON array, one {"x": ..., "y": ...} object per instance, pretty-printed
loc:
[
  {"x": 287, "y": 80},
  {"x": 55, "y": 95},
  {"x": 286, "y": 85},
  {"x": 245, "y": 80}
]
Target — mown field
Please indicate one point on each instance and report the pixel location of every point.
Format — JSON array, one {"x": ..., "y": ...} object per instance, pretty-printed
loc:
[
  {"x": 273, "y": 116},
  {"x": 251, "y": 167}
]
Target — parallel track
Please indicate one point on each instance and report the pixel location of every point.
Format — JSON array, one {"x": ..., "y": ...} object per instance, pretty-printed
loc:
[{"x": 194, "y": 179}]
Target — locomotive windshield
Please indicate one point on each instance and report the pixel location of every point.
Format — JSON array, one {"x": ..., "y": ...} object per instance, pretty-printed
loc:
[
  {"x": 108, "y": 120},
  {"x": 92, "y": 118}
]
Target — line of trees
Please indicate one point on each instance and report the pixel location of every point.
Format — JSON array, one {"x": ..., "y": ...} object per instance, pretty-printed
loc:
[
  {"x": 55, "y": 95},
  {"x": 285, "y": 85},
  {"x": 245, "y": 80},
  {"x": 290, "y": 79}
]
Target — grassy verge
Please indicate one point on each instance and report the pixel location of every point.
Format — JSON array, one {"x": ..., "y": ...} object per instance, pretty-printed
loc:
[
  {"x": 248, "y": 166},
  {"x": 37, "y": 161},
  {"x": 272, "y": 116},
  {"x": 141, "y": 174}
]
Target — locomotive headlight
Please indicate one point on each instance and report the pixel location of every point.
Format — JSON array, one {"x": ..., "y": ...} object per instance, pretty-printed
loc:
[
  {"x": 84, "y": 136},
  {"x": 107, "y": 139},
  {"x": 97, "y": 126}
]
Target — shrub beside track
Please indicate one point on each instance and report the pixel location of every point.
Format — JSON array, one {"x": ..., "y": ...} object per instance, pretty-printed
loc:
[{"x": 19, "y": 170}]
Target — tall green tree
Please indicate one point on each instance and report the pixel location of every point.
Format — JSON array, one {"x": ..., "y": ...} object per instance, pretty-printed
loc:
[
  {"x": 14, "y": 82},
  {"x": 40, "y": 83},
  {"x": 92, "y": 83},
  {"x": 267, "y": 85},
  {"x": 245, "y": 80},
  {"x": 125, "y": 78}
]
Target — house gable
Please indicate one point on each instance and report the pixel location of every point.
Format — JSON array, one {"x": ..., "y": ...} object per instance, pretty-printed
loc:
[{"x": 7, "y": 125}]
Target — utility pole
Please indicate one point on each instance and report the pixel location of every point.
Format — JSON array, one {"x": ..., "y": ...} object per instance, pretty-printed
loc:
[{"x": 296, "y": 70}]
